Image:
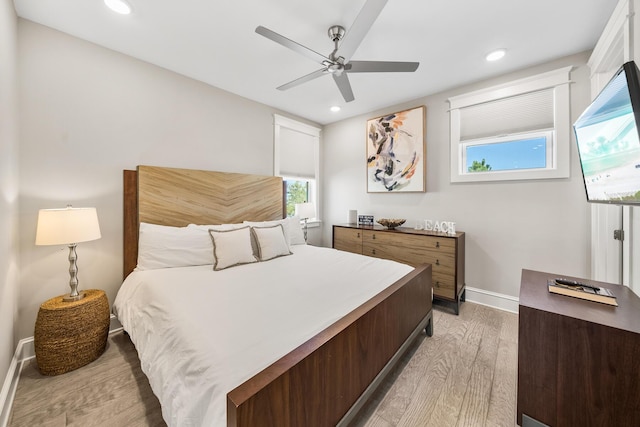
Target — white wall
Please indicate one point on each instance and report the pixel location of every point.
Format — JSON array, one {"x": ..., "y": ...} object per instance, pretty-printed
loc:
[
  {"x": 87, "y": 113},
  {"x": 509, "y": 226},
  {"x": 8, "y": 185}
]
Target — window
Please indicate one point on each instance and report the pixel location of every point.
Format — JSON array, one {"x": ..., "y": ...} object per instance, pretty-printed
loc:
[
  {"x": 511, "y": 153},
  {"x": 297, "y": 192},
  {"x": 296, "y": 160},
  {"x": 519, "y": 130}
]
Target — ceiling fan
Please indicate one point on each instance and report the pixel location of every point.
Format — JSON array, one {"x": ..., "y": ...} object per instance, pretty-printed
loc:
[{"x": 338, "y": 62}]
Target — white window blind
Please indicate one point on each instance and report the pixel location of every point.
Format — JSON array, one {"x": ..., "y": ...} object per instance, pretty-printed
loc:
[
  {"x": 297, "y": 154},
  {"x": 522, "y": 113}
]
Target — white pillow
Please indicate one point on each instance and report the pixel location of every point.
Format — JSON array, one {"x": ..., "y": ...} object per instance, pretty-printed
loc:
[
  {"x": 296, "y": 235},
  {"x": 217, "y": 227},
  {"x": 291, "y": 225},
  {"x": 270, "y": 241},
  {"x": 162, "y": 246},
  {"x": 231, "y": 247}
]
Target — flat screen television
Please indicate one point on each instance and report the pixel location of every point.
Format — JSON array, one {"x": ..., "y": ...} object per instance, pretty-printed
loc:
[{"x": 608, "y": 144}]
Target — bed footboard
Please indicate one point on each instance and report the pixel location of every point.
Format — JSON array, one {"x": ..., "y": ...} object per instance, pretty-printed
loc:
[{"x": 319, "y": 382}]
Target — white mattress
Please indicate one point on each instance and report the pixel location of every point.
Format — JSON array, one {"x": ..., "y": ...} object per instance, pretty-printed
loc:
[{"x": 200, "y": 333}]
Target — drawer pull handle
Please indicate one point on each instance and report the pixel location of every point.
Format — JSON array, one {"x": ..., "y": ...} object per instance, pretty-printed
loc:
[
  {"x": 374, "y": 237},
  {"x": 373, "y": 251},
  {"x": 358, "y": 234},
  {"x": 437, "y": 244},
  {"x": 437, "y": 284},
  {"x": 437, "y": 262}
]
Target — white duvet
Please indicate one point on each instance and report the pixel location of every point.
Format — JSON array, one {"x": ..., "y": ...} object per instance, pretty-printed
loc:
[{"x": 200, "y": 333}]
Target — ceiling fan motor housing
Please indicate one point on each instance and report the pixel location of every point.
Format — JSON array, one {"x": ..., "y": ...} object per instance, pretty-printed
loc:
[{"x": 336, "y": 32}]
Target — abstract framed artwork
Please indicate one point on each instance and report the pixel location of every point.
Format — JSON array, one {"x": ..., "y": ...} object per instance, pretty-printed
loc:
[{"x": 396, "y": 152}]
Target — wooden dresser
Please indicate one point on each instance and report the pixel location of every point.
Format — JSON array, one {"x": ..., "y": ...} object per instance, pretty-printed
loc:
[
  {"x": 445, "y": 252},
  {"x": 578, "y": 361}
]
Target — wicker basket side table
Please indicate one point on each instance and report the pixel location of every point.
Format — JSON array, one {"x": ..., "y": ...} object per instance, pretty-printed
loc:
[{"x": 69, "y": 335}]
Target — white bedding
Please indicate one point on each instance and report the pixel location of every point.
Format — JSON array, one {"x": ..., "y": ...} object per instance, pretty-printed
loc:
[{"x": 200, "y": 333}]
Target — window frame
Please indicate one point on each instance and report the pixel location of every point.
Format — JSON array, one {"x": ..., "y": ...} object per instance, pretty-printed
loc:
[
  {"x": 314, "y": 183},
  {"x": 557, "y": 80}
]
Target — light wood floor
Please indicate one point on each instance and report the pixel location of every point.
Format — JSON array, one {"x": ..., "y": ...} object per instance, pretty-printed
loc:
[{"x": 465, "y": 375}]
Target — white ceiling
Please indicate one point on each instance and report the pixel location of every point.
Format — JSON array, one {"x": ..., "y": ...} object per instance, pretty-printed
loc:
[{"x": 215, "y": 42}]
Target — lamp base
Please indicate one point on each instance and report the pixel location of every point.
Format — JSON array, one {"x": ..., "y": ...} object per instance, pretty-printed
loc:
[{"x": 69, "y": 298}]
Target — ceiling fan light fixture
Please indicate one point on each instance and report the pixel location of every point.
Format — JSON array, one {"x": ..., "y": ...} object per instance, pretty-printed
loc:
[
  {"x": 119, "y": 6},
  {"x": 495, "y": 55}
]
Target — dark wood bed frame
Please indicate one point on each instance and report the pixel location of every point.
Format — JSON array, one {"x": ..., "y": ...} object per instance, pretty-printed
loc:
[{"x": 329, "y": 378}]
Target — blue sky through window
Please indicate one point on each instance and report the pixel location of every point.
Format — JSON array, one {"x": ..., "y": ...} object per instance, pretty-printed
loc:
[{"x": 510, "y": 155}]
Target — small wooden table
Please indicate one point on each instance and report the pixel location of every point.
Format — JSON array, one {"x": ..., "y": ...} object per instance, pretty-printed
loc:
[
  {"x": 578, "y": 360},
  {"x": 69, "y": 335}
]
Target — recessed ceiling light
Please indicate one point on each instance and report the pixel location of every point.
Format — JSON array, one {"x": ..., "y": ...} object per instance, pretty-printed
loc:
[
  {"x": 119, "y": 6},
  {"x": 335, "y": 109},
  {"x": 495, "y": 55}
]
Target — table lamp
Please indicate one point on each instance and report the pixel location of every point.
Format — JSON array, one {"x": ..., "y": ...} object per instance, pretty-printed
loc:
[
  {"x": 68, "y": 226},
  {"x": 305, "y": 211}
]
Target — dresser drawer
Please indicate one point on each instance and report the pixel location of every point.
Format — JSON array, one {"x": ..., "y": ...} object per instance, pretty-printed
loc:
[
  {"x": 411, "y": 249},
  {"x": 444, "y": 285},
  {"x": 347, "y": 239},
  {"x": 397, "y": 247},
  {"x": 438, "y": 244},
  {"x": 442, "y": 262}
]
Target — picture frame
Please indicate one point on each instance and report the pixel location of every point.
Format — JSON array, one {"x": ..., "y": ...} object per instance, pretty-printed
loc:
[{"x": 396, "y": 152}]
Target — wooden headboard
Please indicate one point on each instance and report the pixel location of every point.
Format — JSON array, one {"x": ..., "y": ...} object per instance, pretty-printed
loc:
[{"x": 178, "y": 197}]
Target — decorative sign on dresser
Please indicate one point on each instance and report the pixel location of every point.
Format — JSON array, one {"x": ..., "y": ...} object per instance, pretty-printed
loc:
[{"x": 444, "y": 251}]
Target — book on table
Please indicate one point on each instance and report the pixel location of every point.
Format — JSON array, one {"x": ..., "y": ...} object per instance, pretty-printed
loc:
[{"x": 590, "y": 293}]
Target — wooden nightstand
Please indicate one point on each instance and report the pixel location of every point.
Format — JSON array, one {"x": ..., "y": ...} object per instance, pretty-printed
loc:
[
  {"x": 577, "y": 359},
  {"x": 69, "y": 335}
]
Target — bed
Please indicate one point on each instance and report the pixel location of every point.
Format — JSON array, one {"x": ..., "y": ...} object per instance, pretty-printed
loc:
[{"x": 328, "y": 368}]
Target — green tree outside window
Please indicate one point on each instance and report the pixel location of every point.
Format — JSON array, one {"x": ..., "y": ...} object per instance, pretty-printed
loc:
[
  {"x": 297, "y": 192},
  {"x": 477, "y": 166}
]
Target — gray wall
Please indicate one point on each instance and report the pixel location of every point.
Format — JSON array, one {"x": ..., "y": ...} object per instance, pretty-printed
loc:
[
  {"x": 87, "y": 113},
  {"x": 539, "y": 224},
  {"x": 8, "y": 185}
]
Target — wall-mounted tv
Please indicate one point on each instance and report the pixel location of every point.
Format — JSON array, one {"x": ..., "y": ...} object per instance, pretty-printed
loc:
[{"x": 608, "y": 144}]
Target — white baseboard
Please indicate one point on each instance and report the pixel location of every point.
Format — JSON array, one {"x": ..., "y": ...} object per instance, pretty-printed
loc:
[
  {"x": 10, "y": 385},
  {"x": 24, "y": 352},
  {"x": 492, "y": 299}
]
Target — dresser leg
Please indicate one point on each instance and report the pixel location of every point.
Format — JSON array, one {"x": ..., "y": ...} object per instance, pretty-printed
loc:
[{"x": 429, "y": 328}]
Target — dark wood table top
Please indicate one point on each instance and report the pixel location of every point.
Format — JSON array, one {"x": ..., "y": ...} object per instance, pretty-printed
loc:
[{"x": 535, "y": 294}]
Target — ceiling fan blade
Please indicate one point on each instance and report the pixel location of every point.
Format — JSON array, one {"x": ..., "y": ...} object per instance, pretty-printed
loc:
[
  {"x": 302, "y": 79},
  {"x": 380, "y": 67},
  {"x": 345, "y": 87},
  {"x": 360, "y": 28},
  {"x": 296, "y": 47}
]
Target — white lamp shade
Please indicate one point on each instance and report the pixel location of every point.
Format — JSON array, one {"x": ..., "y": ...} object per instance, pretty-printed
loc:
[
  {"x": 67, "y": 226},
  {"x": 305, "y": 210}
]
